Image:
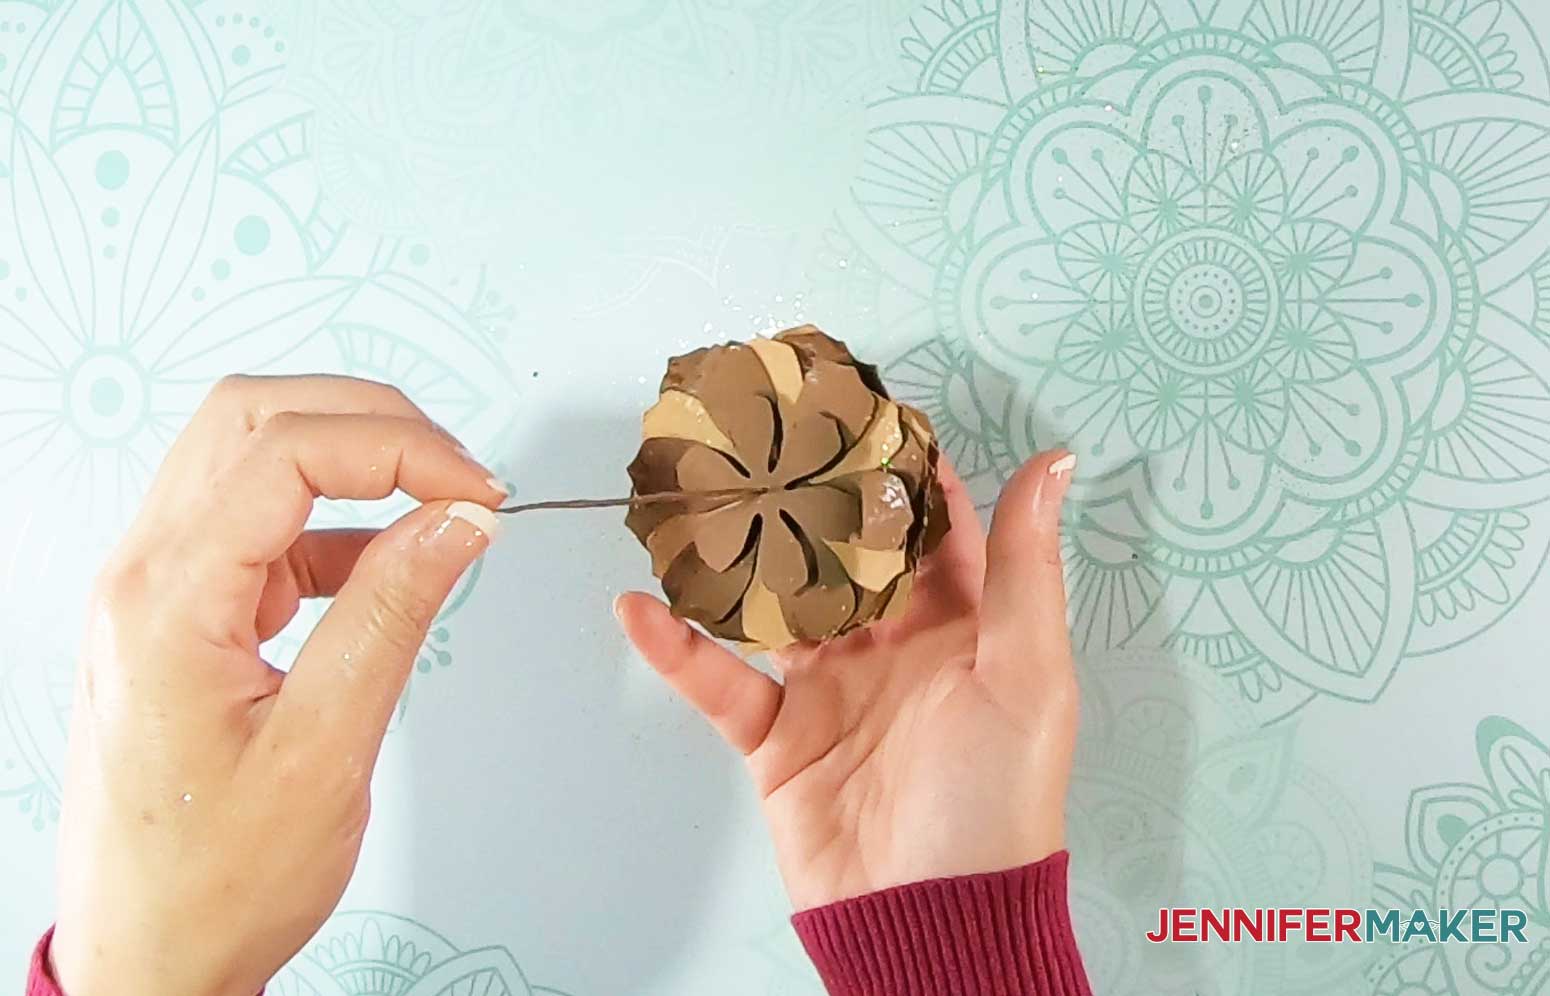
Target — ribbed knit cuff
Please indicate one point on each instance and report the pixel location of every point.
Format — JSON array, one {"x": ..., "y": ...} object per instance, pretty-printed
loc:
[
  {"x": 40, "y": 982},
  {"x": 998, "y": 934}
]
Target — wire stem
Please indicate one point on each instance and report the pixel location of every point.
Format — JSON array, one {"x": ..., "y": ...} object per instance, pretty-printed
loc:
[{"x": 651, "y": 499}]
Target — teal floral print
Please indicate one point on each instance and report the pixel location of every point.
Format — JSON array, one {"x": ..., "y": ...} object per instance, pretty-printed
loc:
[
  {"x": 1478, "y": 845},
  {"x": 1278, "y": 271},
  {"x": 381, "y": 954},
  {"x": 1259, "y": 265}
]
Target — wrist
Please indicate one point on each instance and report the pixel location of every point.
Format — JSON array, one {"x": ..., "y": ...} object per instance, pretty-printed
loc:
[
  {"x": 64, "y": 965},
  {"x": 81, "y": 965},
  {"x": 79, "y": 968}
]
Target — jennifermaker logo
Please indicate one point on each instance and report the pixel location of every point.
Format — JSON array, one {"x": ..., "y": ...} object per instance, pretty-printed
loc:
[{"x": 1337, "y": 925}]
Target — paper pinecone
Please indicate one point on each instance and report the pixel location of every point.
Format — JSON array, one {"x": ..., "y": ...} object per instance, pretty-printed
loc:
[{"x": 807, "y": 492}]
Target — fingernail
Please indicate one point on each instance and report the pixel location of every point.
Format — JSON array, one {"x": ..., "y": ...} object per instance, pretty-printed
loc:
[
  {"x": 482, "y": 519},
  {"x": 619, "y": 607},
  {"x": 497, "y": 486},
  {"x": 1062, "y": 465}
]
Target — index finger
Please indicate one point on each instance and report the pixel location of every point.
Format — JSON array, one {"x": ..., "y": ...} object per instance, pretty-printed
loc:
[
  {"x": 238, "y": 404},
  {"x": 251, "y": 512}
]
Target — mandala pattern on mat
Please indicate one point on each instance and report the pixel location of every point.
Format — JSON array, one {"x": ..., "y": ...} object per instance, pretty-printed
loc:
[
  {"x": 170, "y": 229},
  {"x": 1272, "y": 278},
  {"x": 381, "y": 954},
  {"x": 784, "y": 967},
  {"x": 1479, "y": 845},
  {"x": 34, "y": 723},
  {"x": 1179, "y": 799},
  {"x": 462, "y": 118},
  {"x": 970, "y": 404}
]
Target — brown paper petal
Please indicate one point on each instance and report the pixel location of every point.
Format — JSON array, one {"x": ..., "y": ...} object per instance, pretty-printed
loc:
[
  {"x": 782, "y": 558},
  {"x": 721, "y": 536},
  {"x": 731, "y": 383},
  {"x": 822, "y": 610},
  {"x": 816, "y": 344},
  {"x": 911, "y": 459},
  {"x": 810, "y": 445},
  {"x": 809, "y": 339},
  {"x": 670, "y": 538},
  {"x": 837, "y": 392},
  {"x": 707, "y": 596},
  {"x": 916, "y": 422},
  {"x": 654, "y": 470},
  {"x": 704, "y": 469},
  {"x": 643, "y": 520},
  {"x": 655, "y": 467},
  {"x": 887, "y": 512},
  {"x": 874, "y": 449},
  {"x": 824, "y": 512}
]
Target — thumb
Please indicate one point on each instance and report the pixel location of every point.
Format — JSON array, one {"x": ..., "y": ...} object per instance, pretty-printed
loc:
[
  {"x": 349, "y": 676},
  {"x": 1023, "y": 639}
]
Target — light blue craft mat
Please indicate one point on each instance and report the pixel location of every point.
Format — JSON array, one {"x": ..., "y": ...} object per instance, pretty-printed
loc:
[{"x": 1273, "y": 268}]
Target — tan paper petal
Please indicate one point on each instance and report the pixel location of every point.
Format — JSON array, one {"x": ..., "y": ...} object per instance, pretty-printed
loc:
[
  {"x": 677, "y": 415},
  {"x": 763, "y": 621},
  {"x": 899, "y": 600},
  {"x": 781, "y": 364},
  {"x": 873, "y": 570}
]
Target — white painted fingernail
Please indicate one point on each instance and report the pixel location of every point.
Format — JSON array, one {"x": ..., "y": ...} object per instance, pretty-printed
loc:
[
  {"x": 475, "y": 515},
  {"x": 496, "y": 485},
  {"x": 1062, "y": 465}
]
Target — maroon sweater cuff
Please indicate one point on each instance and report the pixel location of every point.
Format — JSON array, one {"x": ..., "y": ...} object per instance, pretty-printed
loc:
[
  {"x": 998, "y": 934},
  {"x": 40, "y": 981}
]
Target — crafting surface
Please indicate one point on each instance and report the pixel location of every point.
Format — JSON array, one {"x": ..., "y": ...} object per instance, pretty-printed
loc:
[{"x": 1274, "y": 269}]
